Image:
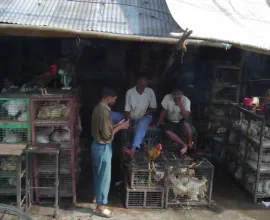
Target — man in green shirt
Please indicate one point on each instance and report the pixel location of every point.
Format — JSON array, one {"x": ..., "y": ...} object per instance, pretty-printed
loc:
[{"x": 103, "y": 131}]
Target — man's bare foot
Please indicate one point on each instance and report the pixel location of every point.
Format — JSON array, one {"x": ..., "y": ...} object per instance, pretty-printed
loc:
[
  {"x": 103, "y": 211},
  {"x": 129, "y": 153},
  {"x": 184, "y": 149}
]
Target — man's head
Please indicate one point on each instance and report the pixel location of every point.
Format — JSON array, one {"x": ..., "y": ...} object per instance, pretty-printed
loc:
[
  {"x": 8, "y": 82},
  {"x": 108, "y": 96},
  {"x": 177, "y": 93},
  {"x": 142, "y": 80}
]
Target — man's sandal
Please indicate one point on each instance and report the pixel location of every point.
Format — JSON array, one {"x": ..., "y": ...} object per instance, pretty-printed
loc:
[{"x": 106, "y": 213}]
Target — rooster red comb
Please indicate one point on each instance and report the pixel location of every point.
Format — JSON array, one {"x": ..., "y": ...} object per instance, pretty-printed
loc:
[
  {"x": 159, "y": 146},
  {"x": 53, "y": 68}
]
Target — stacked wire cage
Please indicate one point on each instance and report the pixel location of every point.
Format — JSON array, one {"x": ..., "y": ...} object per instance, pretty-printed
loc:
[
  {"x": 144, "y": 187},
  {"x": 54, "y": 120},
  {"x": 248, "y": 153},
  {"x": 14, "y": 129},
  {"x": 188, "y": 182}
]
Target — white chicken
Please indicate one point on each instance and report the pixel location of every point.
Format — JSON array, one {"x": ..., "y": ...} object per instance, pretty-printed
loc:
[
  {"x": 42, "y": 136},
  {"x": 196, "y": 187},
  {"x": 11, "y": 137},
  {"x": 13, "y": 107},
  {"x": 23, "y": 116}
]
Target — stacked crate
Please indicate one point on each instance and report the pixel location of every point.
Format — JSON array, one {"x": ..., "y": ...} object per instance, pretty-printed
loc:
[
  {"x": 144, "y": 188},
  {"x": 188, "y": 183},
  {"x": 14, "y": 129},
  {"x": 54, "y": 119}
]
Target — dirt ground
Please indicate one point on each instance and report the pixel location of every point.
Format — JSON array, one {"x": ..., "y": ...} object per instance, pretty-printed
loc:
[{"x": 231, "y": 203}]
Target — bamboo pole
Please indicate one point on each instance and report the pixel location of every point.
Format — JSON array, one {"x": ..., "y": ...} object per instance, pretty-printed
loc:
[{"x": 43, "y": 31}]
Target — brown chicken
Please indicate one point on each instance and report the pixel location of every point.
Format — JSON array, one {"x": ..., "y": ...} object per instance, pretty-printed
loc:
[
  {"x": 152, "y": 154},
  {"x": 44, "y": 79}
]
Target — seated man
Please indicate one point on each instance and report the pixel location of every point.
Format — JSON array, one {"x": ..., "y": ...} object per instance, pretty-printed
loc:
[
  {"x": 140, "y": 103},
  {"x": 176, "y": 109}
]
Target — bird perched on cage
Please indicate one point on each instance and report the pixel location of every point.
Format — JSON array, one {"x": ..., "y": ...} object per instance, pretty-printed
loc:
[
  {"x": 41, "y": 81},
  {"x": 152, "y": 154}
]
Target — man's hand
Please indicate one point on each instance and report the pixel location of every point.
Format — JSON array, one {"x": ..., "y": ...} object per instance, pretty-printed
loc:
[
  {"x": 184, "y": 149},
  {"x": 124, "y": 125},
  {"x": 179, "y": 103}
]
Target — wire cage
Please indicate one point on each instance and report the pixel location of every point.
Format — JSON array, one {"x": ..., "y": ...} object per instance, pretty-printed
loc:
[
  {"x": 140, "y": 177},
  {"x": 12, "y": 167},
  {"x": 144, "y": 198},
  {"x": 188, "y": 182},
  {"x": 53, "y": 134},
  {"x": 46, "y": 163},
  {"x": 51, "y": 110},
  {"x": 14, "y": 110},
  {"x": 152, "y": 137},
  {"x": 48, "y": 180},
  {"x": 54, "y": 121},
  {"x": 14, "y": 135},
  {"x": 8, "y": 175}
]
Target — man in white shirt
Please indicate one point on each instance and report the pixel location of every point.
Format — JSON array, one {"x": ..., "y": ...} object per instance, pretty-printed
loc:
[
  {"x": 8, "y": 85},
  {"x": 140, "y": 103},
  {"x": 176, "y": 109}
]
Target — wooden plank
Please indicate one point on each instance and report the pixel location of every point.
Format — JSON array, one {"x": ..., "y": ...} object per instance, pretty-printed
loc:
[{"x": 12, "y": 149}]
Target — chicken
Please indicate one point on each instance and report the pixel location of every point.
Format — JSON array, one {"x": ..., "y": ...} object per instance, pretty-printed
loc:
[
  {"x": 152, "y": 154},
  {"x": 44, "y": 79},
  {"x": 196, "y": 187},
  {"x": 178, "y": 188}
]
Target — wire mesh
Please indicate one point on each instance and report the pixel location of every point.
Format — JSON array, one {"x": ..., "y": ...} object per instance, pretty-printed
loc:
[
  {"x": 8, "y": 175},
  {"x": 152, "y": 137},
  {"x": 14, "y": 110},
  {"x": 47, "y": 163},
  {"x": 13, "y": 135},
  {"x": 141, "y": 177},
  {"x": 48, "y": 180},
  {"x": 188, "y": 182},
  {"x": 144, "y": 198},
  {"x": 51, "y": 110},
  {"x": 53, "y": 134},
  {"x": 225, "y": 93}
]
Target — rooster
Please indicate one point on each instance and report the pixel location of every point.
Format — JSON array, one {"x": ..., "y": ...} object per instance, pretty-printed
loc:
[
  {"x": 42, "y": 80},
  {"x": 152, "y": 154}
]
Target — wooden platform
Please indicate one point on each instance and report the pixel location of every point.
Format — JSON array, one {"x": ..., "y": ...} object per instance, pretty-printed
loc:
[{"x": 12, "y": 149}]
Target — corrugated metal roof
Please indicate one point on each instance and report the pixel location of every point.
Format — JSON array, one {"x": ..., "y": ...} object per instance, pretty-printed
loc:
[
  {"x": 128, "y": 17},
  {"x": 245, "y": 23}
]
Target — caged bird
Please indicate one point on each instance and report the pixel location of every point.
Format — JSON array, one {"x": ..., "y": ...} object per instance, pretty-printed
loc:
[
  {"x": 152, "y": 154},
  {"x": 41, "y": 81}
]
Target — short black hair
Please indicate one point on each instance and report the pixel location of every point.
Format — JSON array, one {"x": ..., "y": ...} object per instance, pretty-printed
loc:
[
  {"x": 142, "y": 75},
  {"x": 177, "y": 89},
  {"x": 108, "y": 92}
]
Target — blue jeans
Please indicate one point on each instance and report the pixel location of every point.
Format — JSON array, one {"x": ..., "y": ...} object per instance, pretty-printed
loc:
[
  {"x": 140, "y": 128},
  {"x": 102, "y": 161},
  {"x": 117, "y": 117}
]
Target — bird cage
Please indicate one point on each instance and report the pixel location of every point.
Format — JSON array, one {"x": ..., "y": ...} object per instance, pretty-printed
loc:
[
  {"x": 11, "y": 171},
  {"x": 54, "y": 120},
  {"x": 144, "y": 198},
  {"x": 140, "y": 177},
  {"x": 152, "y": 137},
  {"x": 48, "y": 180},
  {"x": 188, "y": 183},
  {"x": 14, "y": 119}
]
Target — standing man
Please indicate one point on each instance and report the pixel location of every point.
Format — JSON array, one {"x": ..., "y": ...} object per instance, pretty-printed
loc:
[
  {"x": 139, "y": 106},
  {"x": 103, "y": 131},
  {"x": 176, "y": 109}
]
